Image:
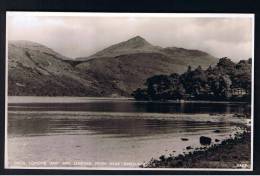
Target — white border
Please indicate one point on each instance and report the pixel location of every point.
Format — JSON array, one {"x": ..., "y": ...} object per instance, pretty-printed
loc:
[
  {"x": 154, "y": 15},
  {"x": 252, "y": 91},
  {"x": 120, "y": 14}
]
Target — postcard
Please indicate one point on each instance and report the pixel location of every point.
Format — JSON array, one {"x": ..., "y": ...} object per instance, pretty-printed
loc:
[{"x": 129, "y": 91}]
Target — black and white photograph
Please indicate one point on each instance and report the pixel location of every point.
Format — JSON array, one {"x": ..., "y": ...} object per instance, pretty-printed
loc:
[{"x": 129, "y": 91}]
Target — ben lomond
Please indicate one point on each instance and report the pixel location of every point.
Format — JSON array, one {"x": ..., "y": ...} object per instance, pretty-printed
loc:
[{"x": 36, "y": 70}]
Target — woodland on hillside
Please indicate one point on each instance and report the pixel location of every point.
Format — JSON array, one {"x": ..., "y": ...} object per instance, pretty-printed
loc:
[{"x": 225, "y": 81}]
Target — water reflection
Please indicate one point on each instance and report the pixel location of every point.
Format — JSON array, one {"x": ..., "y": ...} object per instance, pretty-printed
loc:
[
  {"x": 131, "y": 106},
  {"x": 112, "y": 127}
]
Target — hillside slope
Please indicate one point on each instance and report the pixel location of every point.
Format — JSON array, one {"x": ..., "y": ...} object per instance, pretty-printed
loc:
[
  {"x": 36, "y": 70},
  {"x": 128, "y": 72}
]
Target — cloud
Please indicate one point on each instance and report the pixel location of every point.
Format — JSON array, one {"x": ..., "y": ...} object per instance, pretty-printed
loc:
[{"x": 77, "y": 36}]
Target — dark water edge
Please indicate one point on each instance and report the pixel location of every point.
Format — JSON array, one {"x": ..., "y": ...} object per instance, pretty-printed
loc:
[{"x": 122, "y": 105}]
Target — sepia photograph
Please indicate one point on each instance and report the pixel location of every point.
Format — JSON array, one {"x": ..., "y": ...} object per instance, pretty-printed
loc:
[{"x": 129, "y": 91}]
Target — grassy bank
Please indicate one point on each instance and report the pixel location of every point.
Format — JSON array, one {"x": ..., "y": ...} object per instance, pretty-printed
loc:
[{"x": 231, "y": 153}]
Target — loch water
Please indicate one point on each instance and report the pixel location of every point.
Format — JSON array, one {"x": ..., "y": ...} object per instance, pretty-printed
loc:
[{"x": 91, "y": 132}]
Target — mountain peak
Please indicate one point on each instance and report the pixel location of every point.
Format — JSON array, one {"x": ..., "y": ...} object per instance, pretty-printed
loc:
[
  {"x": 136, "y": 44},
  {"x": 137, "y": 38},
  {"x": 140, "y": 41}
]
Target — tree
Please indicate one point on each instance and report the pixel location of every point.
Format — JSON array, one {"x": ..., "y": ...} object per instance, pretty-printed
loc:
[
  {"x": 189, "y": 69},
  {"x": 140, "y": 94},
  {"x": 242, "y": 75},
  {"x": 220, "y": 86},
  {"x": 163, "y": 87},
  {"x": 194, "y": 82},
  {"x": 156, "y": 85}
]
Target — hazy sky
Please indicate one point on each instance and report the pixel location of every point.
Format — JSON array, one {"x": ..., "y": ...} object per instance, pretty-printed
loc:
[{"x": 76, "y": 36}]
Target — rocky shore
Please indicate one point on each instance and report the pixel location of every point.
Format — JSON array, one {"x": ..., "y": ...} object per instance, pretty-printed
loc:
[{"x": 234, "y": 152}]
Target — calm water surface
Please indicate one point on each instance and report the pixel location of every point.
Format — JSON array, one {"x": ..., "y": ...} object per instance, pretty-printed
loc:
[{"x": 91, "y": 132}]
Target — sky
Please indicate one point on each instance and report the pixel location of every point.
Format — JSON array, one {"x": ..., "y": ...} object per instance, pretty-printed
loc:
[{"x": 81, "y": 35}]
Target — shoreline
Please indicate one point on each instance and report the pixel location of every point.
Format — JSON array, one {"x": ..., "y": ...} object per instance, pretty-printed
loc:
[
  {"x": 67, "y": 99},
  {"x": 232, "y": 153}
]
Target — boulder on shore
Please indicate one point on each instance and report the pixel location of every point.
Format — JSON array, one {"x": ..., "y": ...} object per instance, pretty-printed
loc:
[
  {"x": 205, "y": 140},
  {"x": 184, "y": 139},
  {"x": 216, "y": 131},
  {"x": 189, "y": 148}
]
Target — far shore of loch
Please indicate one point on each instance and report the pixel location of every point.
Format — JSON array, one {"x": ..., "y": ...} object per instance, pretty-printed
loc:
[{"x": 69, "y": 99}]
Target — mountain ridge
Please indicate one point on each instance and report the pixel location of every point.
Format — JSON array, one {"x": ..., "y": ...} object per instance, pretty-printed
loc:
[
  {"x": 138, "y": 44},
  {"x": 35, "y": 69},
  {"x": 133, "y": 45}
]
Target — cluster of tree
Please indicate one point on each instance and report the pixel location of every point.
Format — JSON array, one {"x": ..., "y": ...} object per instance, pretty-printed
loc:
[{"x": 214, "y": 83}]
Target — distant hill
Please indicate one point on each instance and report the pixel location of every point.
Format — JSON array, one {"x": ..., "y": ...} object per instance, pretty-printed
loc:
[
  {"x": 139, "y": 45},
  {"x": 131, "y": 46},
  {"x": 35, "y": 69}
]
